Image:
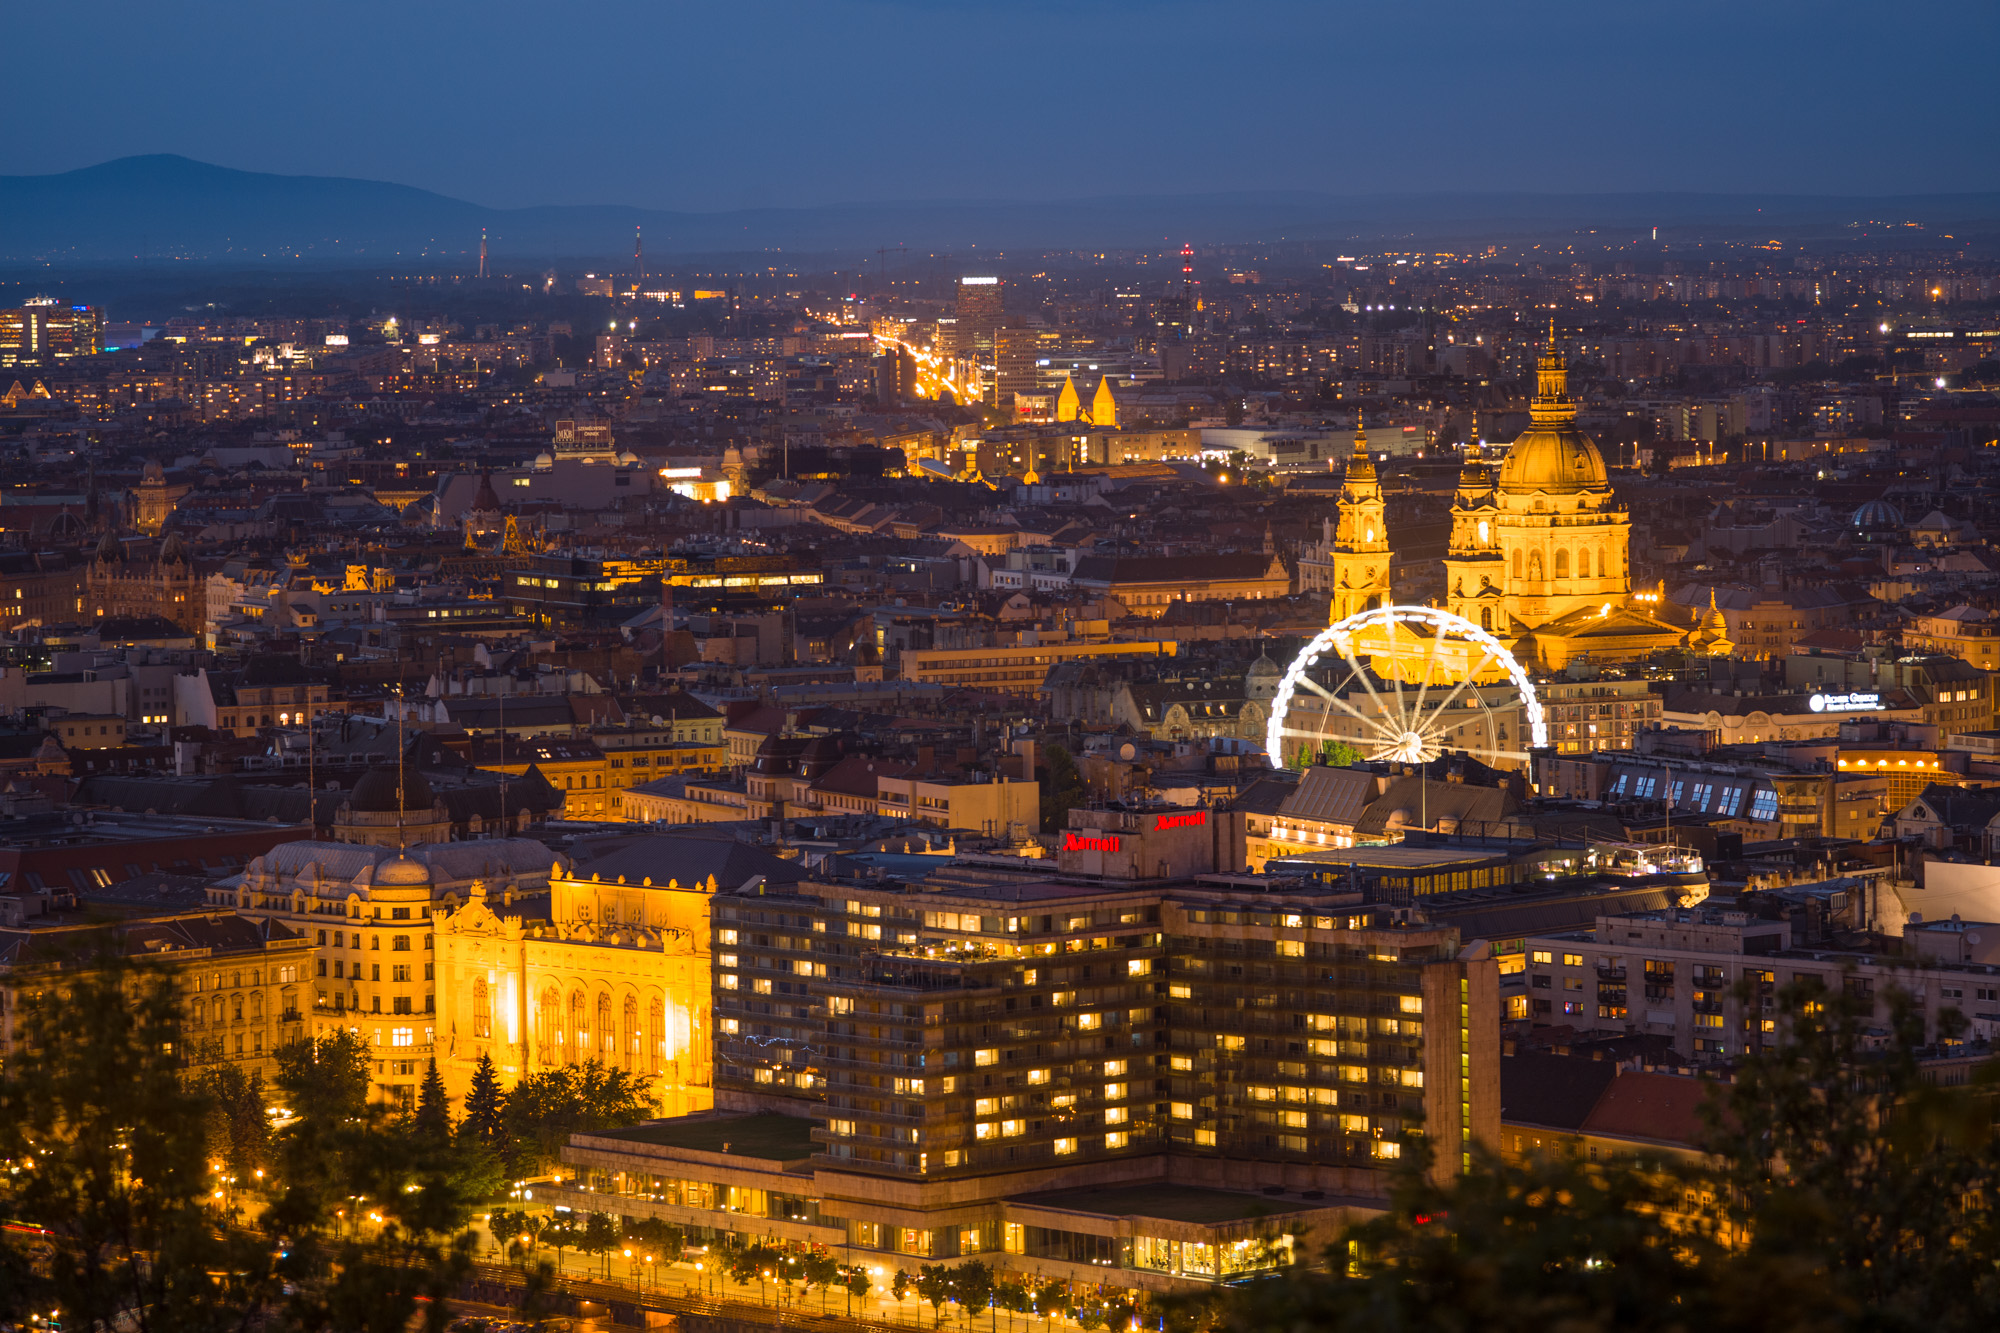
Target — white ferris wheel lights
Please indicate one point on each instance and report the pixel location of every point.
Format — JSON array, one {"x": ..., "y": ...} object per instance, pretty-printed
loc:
[{"x": 1405, "y": 730}]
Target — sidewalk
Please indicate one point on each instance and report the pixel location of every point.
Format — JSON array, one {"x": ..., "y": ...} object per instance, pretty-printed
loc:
[{"x": 679, "y": 1287}]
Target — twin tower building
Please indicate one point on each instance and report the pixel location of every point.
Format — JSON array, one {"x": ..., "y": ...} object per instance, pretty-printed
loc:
[{"x": 1540, "y": 557}]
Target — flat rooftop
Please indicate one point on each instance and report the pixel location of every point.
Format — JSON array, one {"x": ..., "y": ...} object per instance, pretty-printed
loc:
[
  {"x": 774, "y": 1138},
  {"x": 1169, "y": 1203}
]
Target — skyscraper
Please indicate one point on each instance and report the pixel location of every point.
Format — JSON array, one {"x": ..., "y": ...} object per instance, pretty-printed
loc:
[{"x": 42, "y": 332}]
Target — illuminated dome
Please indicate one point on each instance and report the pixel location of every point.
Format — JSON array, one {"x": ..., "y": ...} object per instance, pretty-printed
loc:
[
  {"x": 1560, "y": 461},
  {"x": 402, "y": 870},
  {"x": 1878, "y": 514},
  {"x": 1552, "y": 455}
]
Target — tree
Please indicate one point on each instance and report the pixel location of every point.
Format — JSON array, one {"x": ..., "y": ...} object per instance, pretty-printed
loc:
[
  {"x": 1062, "y": 790},
  {"x": 324, "y": 1077},
  {"x": 94, "y": 1103},
  {"x": 972, "y": 1287},
  {"x": 1837, "y": 1193},
  {"x": 934, "y": 1285},
  {"x": 820, "y": 1269},
  {"x": 432, "y": 1121},
  {"x": 546, "y": 1107},
  {"x": 239, "y": 1128},
  {"x": 900, "y": 1285},
  {"x": 1013, "y": 1295},
  {"x": 855, "y": 1278},
  {"x": 664, "y": 1241},
  {"x": 600, "y": 1234},
  {"x": 484, "y": 1121}
]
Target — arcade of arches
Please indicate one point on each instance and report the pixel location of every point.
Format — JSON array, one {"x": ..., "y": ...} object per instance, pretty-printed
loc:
[{"x": 619, "y": 974}]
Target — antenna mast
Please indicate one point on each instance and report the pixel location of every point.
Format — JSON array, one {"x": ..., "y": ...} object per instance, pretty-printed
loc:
[
  {"x": 482, "y": 252},
  {"x": 401, "y": 758}
]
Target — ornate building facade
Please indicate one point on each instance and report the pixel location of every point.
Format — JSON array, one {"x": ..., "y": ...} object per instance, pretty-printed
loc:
[
  {"x": 1351, "y": 561},
  {"x": 1542, "y": 557},
  {"x": 366, "y": 912},
  {"x": 617, "y": 973},
  {"x": 168, "y": 587}
]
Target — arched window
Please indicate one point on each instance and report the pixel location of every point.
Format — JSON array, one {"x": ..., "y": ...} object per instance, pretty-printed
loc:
[
  {"x": 1486, "y": 617},
  {"x": 607, "y": 1036},
  {"x": 656, "y": 1034},
  {"x": 1517, "y": 562},
  {"x": 257, "y": 1006},
  {"x": 631, "y": 1043},
  {"x": 579, "y": 1023},
  {"x": 482, "y": 1009},
  {"x": 1562, "y": 563},
  {"x": 548, "y": 1027},
  {"x": 1534, "y": 566}
]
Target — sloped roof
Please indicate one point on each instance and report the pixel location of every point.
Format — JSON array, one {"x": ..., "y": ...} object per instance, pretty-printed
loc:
[
  {"x": 686, "y": 857},
  {"x": 1331, "y": 795},
  {"x": 1422, "y": 803},
  {"x": 1662, "y": 1108},
  {"x": 1556, "y": 1091},
  {"x": 1171, "y": 568}
]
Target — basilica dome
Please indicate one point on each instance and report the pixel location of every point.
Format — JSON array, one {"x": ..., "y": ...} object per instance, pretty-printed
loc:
[
  {"x": 1557, "y": 459},
  {"x": 1552, "y": 455}
]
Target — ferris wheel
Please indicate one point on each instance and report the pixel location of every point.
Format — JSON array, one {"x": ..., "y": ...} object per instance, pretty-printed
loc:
[{"x": 1434, "y": 697}]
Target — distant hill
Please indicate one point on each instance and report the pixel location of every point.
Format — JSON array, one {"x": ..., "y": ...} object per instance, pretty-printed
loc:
[{"x": 165, "y": 206}]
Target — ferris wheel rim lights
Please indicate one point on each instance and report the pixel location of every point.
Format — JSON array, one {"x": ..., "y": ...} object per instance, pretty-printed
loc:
[{"x": 1387, "y": 617}]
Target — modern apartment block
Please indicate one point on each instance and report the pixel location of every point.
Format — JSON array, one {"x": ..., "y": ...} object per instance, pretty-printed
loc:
[
  {"x": 1707, "y": 979},
  {"x": 956, "y": 1059}
]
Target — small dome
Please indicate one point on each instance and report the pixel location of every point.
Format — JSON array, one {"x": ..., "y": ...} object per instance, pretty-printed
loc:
[
  {"x": 174, "y": 550},
  {"x": 545, "y": 460},
  {"x": 1878, "y": 514},
  {"x": 628, "y": 459},
  {"x": 110, "y": 549},
  {"x": 402, "y": 870},
  {"x": 376, "y": 792}
]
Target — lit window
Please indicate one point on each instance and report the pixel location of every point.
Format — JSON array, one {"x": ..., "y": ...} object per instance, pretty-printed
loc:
[{"x": 1065, "y": 1146}]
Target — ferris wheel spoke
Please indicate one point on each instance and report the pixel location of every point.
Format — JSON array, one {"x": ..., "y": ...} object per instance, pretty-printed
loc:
[
  {"x": 1430, "y": 664},
  {"x": 1376, "y": 725},
  {"x": 1490, "y": 754},
  {"x": 1436, "y": 725}
]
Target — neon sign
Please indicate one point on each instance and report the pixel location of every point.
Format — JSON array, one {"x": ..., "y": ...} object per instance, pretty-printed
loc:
[
  {"x": 1080, "y": 844},
  {"x": 1196, "y": 819},
  {"x": 1844, "y": 703}
]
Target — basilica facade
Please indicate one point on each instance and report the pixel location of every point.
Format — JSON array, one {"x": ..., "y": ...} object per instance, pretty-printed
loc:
[{"x": 1539, "y": 555}]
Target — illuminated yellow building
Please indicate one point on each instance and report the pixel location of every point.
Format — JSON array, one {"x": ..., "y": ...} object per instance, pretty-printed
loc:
[
  {"x": 619, "y": 973},
  {"x": 1357, "y": 553},
  {"x": 1541, "y": 557}
]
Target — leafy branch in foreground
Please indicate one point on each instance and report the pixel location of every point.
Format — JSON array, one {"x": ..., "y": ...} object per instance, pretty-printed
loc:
[{"x": 1839, "y": 1188}]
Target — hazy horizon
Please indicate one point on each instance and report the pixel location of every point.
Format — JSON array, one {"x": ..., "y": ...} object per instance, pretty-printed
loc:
[{"x": 781, "y": 103}]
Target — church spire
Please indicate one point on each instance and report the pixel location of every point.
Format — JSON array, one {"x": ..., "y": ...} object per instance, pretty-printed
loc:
[{"x": 1552, "y": 405}]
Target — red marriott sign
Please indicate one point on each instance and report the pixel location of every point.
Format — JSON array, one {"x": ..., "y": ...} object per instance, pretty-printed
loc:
[
  {"x": 1109, "y": 843},
  {"x": 1196, "y": 819}
]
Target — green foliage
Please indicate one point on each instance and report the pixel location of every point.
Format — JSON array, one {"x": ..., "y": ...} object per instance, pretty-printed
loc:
[
  {"x": 239, "y": 1130},
  {"x": 484, "y": 1122},
  {"x": 600, "y": 1235},
  {"x": 1063, "y": 789},
  {"x": 106, "y": 1137},
  {"x": 934, "y": 1286},
  {"x": 548, "y": 1106},
  {"x": 324, "y": 1077},
  {"x": 1842, "y": 1191},
  {"x": 972, "y": 1286},
  {"x": 432, "y": 1121},
  {"x": 660, "y": 1238}
]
